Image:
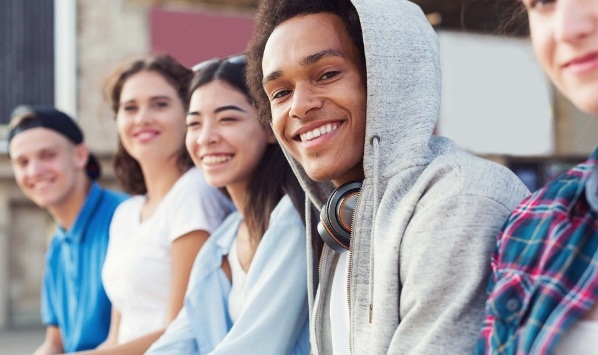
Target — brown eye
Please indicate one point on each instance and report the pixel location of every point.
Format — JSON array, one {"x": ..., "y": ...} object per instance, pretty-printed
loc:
[
  {"x": 281, "y": 93},
  {"x": 329, "y": 75}
]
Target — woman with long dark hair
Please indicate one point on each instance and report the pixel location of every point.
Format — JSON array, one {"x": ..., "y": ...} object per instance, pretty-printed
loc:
[{"x": 248, "y": 288}]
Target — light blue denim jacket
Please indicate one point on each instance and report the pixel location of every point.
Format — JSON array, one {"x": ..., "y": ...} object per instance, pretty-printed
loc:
[{"x": 274, "y": 319}]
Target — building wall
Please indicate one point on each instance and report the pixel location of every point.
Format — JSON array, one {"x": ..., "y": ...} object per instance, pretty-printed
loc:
[{"x": 109, "y": 31}]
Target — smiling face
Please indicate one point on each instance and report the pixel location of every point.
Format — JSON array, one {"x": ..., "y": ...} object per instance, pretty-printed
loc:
[
  {"x": 151, "y": 118},
  {"x": 47, "y": 166},
  {"x": 317, "y": 96},
  {"x": 224, "y": 137},
  {"x": 564, "y": 35}
]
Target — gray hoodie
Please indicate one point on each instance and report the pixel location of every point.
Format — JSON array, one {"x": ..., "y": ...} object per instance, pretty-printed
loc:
[{"x": 428, "y": 214}]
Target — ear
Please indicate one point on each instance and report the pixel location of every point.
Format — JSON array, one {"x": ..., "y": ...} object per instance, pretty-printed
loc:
[
  {"x": 270, "y": 137},
  {"x": 81, "y": 155}
]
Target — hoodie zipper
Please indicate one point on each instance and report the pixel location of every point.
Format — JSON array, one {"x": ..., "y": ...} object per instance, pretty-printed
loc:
[
  {"x": 319, "y": 305},
  {"x": 349, "y": 271}
]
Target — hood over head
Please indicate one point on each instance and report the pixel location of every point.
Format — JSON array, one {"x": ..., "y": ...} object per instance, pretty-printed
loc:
[{"x": 403, "y": 90}]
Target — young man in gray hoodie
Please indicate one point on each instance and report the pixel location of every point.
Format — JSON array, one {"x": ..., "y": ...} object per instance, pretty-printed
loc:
[{"x": 352, "y": 91}]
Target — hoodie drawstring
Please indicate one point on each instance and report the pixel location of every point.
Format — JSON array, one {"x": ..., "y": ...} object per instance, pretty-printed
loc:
[{"x": 375, "y": 142}]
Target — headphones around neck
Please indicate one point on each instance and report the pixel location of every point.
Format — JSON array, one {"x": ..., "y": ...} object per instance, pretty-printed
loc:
[{"x": 337, "y": 215}]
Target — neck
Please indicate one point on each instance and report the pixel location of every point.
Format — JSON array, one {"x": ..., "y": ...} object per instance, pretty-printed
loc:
[
  {"x": 66, "y": 212},
  {"x": 159, "y": 179},
  {"x": 237, "y": 194}
]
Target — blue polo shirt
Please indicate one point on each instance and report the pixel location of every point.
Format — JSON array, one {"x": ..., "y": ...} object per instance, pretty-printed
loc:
[{"x": 73, "y": 297}]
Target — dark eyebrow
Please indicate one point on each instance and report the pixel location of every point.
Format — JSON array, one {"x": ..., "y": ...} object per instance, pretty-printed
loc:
[
  {"x": 272, "y": 76},
  {"x": 229, "y": 107},
  {"x": 218, "y": 110},
  {"x": 153, "y": 98},
  {"x": 309, "y": 60},
  {"x": 314, "y": 58}
]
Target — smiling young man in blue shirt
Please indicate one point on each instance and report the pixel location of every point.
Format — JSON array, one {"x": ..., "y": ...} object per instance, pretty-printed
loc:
[{"x": 55, "y": 170}]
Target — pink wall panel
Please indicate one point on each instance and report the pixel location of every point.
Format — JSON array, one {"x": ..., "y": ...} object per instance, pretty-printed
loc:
[{"x": 195, "y": 36}]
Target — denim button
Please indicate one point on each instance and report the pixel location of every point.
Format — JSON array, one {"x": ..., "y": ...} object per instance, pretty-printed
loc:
[{"x": 513, "y": 305}]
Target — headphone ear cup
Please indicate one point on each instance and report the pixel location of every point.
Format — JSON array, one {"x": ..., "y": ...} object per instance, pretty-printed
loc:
[
  {"x": 327, "y": 233},
  {"x": 336, "y": 216}
]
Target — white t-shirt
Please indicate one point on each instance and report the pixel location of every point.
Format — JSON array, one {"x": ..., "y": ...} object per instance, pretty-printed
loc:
[
  {"x": 137, "y": 273},
  {"x": 339, "y": 307}
]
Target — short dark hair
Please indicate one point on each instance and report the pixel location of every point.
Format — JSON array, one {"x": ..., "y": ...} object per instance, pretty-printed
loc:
[
  {"x": 273, "y": 177},
  {"x": 126, "y": 168},
  {"x": 272, "y": 13}
]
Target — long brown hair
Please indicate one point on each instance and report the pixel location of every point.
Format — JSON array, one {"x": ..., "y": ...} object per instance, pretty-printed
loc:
[
  {"x": 126, "y": 168},
  {"x": 273, "y": 177}
]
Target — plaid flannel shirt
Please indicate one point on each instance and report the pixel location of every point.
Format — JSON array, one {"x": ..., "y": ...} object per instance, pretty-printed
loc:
[{"x": 545, "y": 266}]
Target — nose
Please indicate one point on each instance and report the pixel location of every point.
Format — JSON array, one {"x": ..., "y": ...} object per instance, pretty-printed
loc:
[
  {"x": 34, "y": 168},
  {"x": 143, "y": 115},
  {"x": 208, "y": 134},
  {"x": 304, "y": 101},
  {"x": 575, "y": 20}
]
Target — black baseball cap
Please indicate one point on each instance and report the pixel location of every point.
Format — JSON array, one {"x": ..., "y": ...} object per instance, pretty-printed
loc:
[{"x": 51, "y": 118}]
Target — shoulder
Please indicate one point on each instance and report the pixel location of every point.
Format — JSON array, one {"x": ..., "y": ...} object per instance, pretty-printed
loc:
[
  {"x": 555, "y": 216},
  {"x": 454, "y": 172},
  {"x": 192, "y": 179},
  {"x": 126, "y": 209},
  {"x": 285, "y": 225},
  {"x": 285, "y": 213},
  {"x": 557, "y": 197},
  {"x": 192, "y": 186},
  {"x": 131, "y": 202},
  {"x": 112, "y": 199},
  {"x": 53, "y": 251}
]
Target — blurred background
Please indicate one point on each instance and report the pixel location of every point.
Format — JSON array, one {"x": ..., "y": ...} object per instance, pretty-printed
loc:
[{"x": 496, "y": 101}]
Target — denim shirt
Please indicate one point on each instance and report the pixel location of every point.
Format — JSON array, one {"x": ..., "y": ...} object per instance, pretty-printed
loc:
[{"x": 274, "y": 319}]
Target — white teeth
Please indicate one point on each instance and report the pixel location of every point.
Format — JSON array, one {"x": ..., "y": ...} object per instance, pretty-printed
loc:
[
  {"x": 41, "y": 185},
  {"x": 215, "y": 159},
  {"x": 315, "y": 133}
]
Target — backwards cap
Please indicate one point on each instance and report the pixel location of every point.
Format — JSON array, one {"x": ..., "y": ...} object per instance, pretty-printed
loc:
[{"x": 58, "y": 121}]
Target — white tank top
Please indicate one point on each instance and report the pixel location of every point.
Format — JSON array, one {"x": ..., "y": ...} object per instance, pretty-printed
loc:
[
  {"x": 236, "y": 297},
  {"x": 580, "y": 339}
]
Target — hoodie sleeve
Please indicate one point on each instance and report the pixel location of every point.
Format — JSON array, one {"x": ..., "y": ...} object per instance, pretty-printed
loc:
[{"x": 444, "y": 271}]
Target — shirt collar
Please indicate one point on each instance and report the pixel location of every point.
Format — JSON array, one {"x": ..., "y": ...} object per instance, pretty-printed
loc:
[
  {"x": 225, "y": 242},
  {"x": 76, "y": 233},
  {"x": 591, "y": 182}
]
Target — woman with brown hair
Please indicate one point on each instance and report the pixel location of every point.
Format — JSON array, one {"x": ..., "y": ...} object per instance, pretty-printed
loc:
[{"x": 156, "y": 234}]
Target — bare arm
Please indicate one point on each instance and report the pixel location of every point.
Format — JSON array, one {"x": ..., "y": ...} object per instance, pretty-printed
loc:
[
  {"x": 112, "y": 339},
  {"x": 52, "y": 344},
  {"x": 184, "y": 251}
]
